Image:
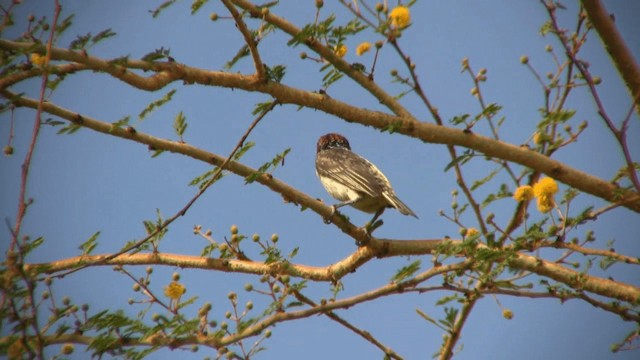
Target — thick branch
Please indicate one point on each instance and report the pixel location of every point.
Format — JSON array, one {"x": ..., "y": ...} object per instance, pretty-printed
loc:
[
  {"x": 375, "y": 248},
  {"x": 616, "y": 47}
]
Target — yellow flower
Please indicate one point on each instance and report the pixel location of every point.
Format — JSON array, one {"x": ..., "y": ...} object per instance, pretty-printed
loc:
[
  {"x": 545, "y": 187},
  {"x": 471, "y": 232},
  {"x": 523, "y": 193},
  {"x": 363, "y": 48},
  {"x": 340, "y": 50},
  {"x": 545, "y": 203},
  {"x": 507, "y": 314},
  {"x": 174, "y": 290},
  {"x": 400, "y": 17},
  {"x": 37, "y": 59}
]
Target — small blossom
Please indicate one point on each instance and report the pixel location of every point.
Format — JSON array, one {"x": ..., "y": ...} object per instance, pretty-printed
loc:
[
  {"x": 37, "y": 59},
  {"x": 363, "y": 48},
  {"x": 400, "y": 17},
  {"x": 340, "y": 50},
  {"x": 174, "y": 290},
  {"x": 523, "y": 193},
  {"x": 465, "y": 63},
  {"x": 545, "y": 187},
  {"x": 67, "y": 349},
  {"x": 538, "y": 138},
  {"x": 507, "y": 314}
]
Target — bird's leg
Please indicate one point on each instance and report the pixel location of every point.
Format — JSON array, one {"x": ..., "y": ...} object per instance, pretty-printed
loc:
[
  {"x": 373, "y": 224},
  {"x": 344, "y": 203},
  {"x": 335, "y": 207},
  {"x": 376, "y": 216}
]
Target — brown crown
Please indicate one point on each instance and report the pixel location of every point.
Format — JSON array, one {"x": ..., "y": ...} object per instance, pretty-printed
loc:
[{"x": 332, "y": 140}]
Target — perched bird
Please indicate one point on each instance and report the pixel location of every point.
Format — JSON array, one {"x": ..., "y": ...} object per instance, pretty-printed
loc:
[{"x": 354, "y": 180}]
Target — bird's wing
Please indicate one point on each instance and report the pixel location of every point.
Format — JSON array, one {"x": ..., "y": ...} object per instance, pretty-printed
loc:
[{"x": 352, "y": 171}]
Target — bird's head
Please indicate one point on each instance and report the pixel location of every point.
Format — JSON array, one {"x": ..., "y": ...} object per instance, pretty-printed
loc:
[{"x": 332, "y": 141}]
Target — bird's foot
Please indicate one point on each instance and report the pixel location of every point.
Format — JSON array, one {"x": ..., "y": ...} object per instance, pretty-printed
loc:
[
  {"x": 327, "y": 220},
  {"x": 368, "y": 229}
]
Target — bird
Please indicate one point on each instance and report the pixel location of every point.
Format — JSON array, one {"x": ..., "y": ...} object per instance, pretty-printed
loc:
[{"x": 354, "y": 180}]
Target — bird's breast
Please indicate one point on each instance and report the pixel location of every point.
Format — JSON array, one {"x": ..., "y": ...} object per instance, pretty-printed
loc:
[{"x": 338, "y": 190}]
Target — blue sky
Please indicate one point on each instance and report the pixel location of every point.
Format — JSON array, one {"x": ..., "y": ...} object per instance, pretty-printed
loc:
[{"x": 89, "y": 182}]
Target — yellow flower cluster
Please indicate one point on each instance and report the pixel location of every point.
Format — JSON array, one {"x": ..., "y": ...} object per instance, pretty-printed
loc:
[
  {"x": 174, "y": 290},
  {"x": 543, "y": 191},
  {"x": 400, "y": 17},
  {"x": 363, "y": 48},
  {"x": 523, "y": 193},
  {"x": 471, "y": 232},
  {"x": 340, "y": 50},
  {"x": 545, "y": 187},
  {"x": 37, "y": 59}
]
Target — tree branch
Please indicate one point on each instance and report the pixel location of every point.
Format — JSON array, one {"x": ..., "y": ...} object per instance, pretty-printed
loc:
[
  {"x": 168, "y": 72},
  {"x": 617, "y": 48}
]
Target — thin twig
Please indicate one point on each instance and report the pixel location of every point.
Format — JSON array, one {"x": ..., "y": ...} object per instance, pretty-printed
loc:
[{"x": 251, "y": 43}]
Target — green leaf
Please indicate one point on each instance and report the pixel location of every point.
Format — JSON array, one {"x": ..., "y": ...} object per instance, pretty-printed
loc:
[
  {"x": 331, "y": 77},
  {"x": 315, "y": 30},
  {"x": 157, "y": 152},
  {"x": 276, "y": 73},
  {"x": 555, "y": 117},
  {"x": 122, "y": 60},
  {"x": 119, "y": 124},
  {"x": 157, "y": 54},
  {"x": 272, "y": 255},
  {"x": 80, "y": 42},
  {"x": 447, "y": 299},
  {"x": 196, "y": 5},
  {"x": 187, "y": 302},
  {"x": 406, "y": 271},
  {"x": 243, "y": 150},
  {"x": 161, "y": 7},
  {"x": 244, "y": 49},
  {"x": 180, "y": 124},
  {"x": 156, "y": 104},
  {"x": 273, "y": 164},
  {"x": 207, "y": 250},
  {"x": 459, "y": 119},
  {"x": 91, "y": 243},
  {"x": 69, "y": 129},
  {"x": 478, "y": 183},
  {"x": 489, "y": 111},
  {"x": 64, "y": 24},
  {"x": 393, "y": 127},
  {"x": 428, "y": 318},
  {"x": 460, "y": 160},
  {"x": 450, "y": 317},
  {"x": 241, "y": 53},
  {"x": 32, "y": 244},
  {"x": 545, "y": 28},
  {"x": 104, "y": 34},
  {"x": 204, "y": 179},
  {"x": 502, "y": 193},
  {"x": 261, "y": 107},
  {"x": 606, "y": 262}
]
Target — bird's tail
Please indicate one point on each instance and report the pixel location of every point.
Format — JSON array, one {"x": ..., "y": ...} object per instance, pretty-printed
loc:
[{"x": 398, "y": 204}]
